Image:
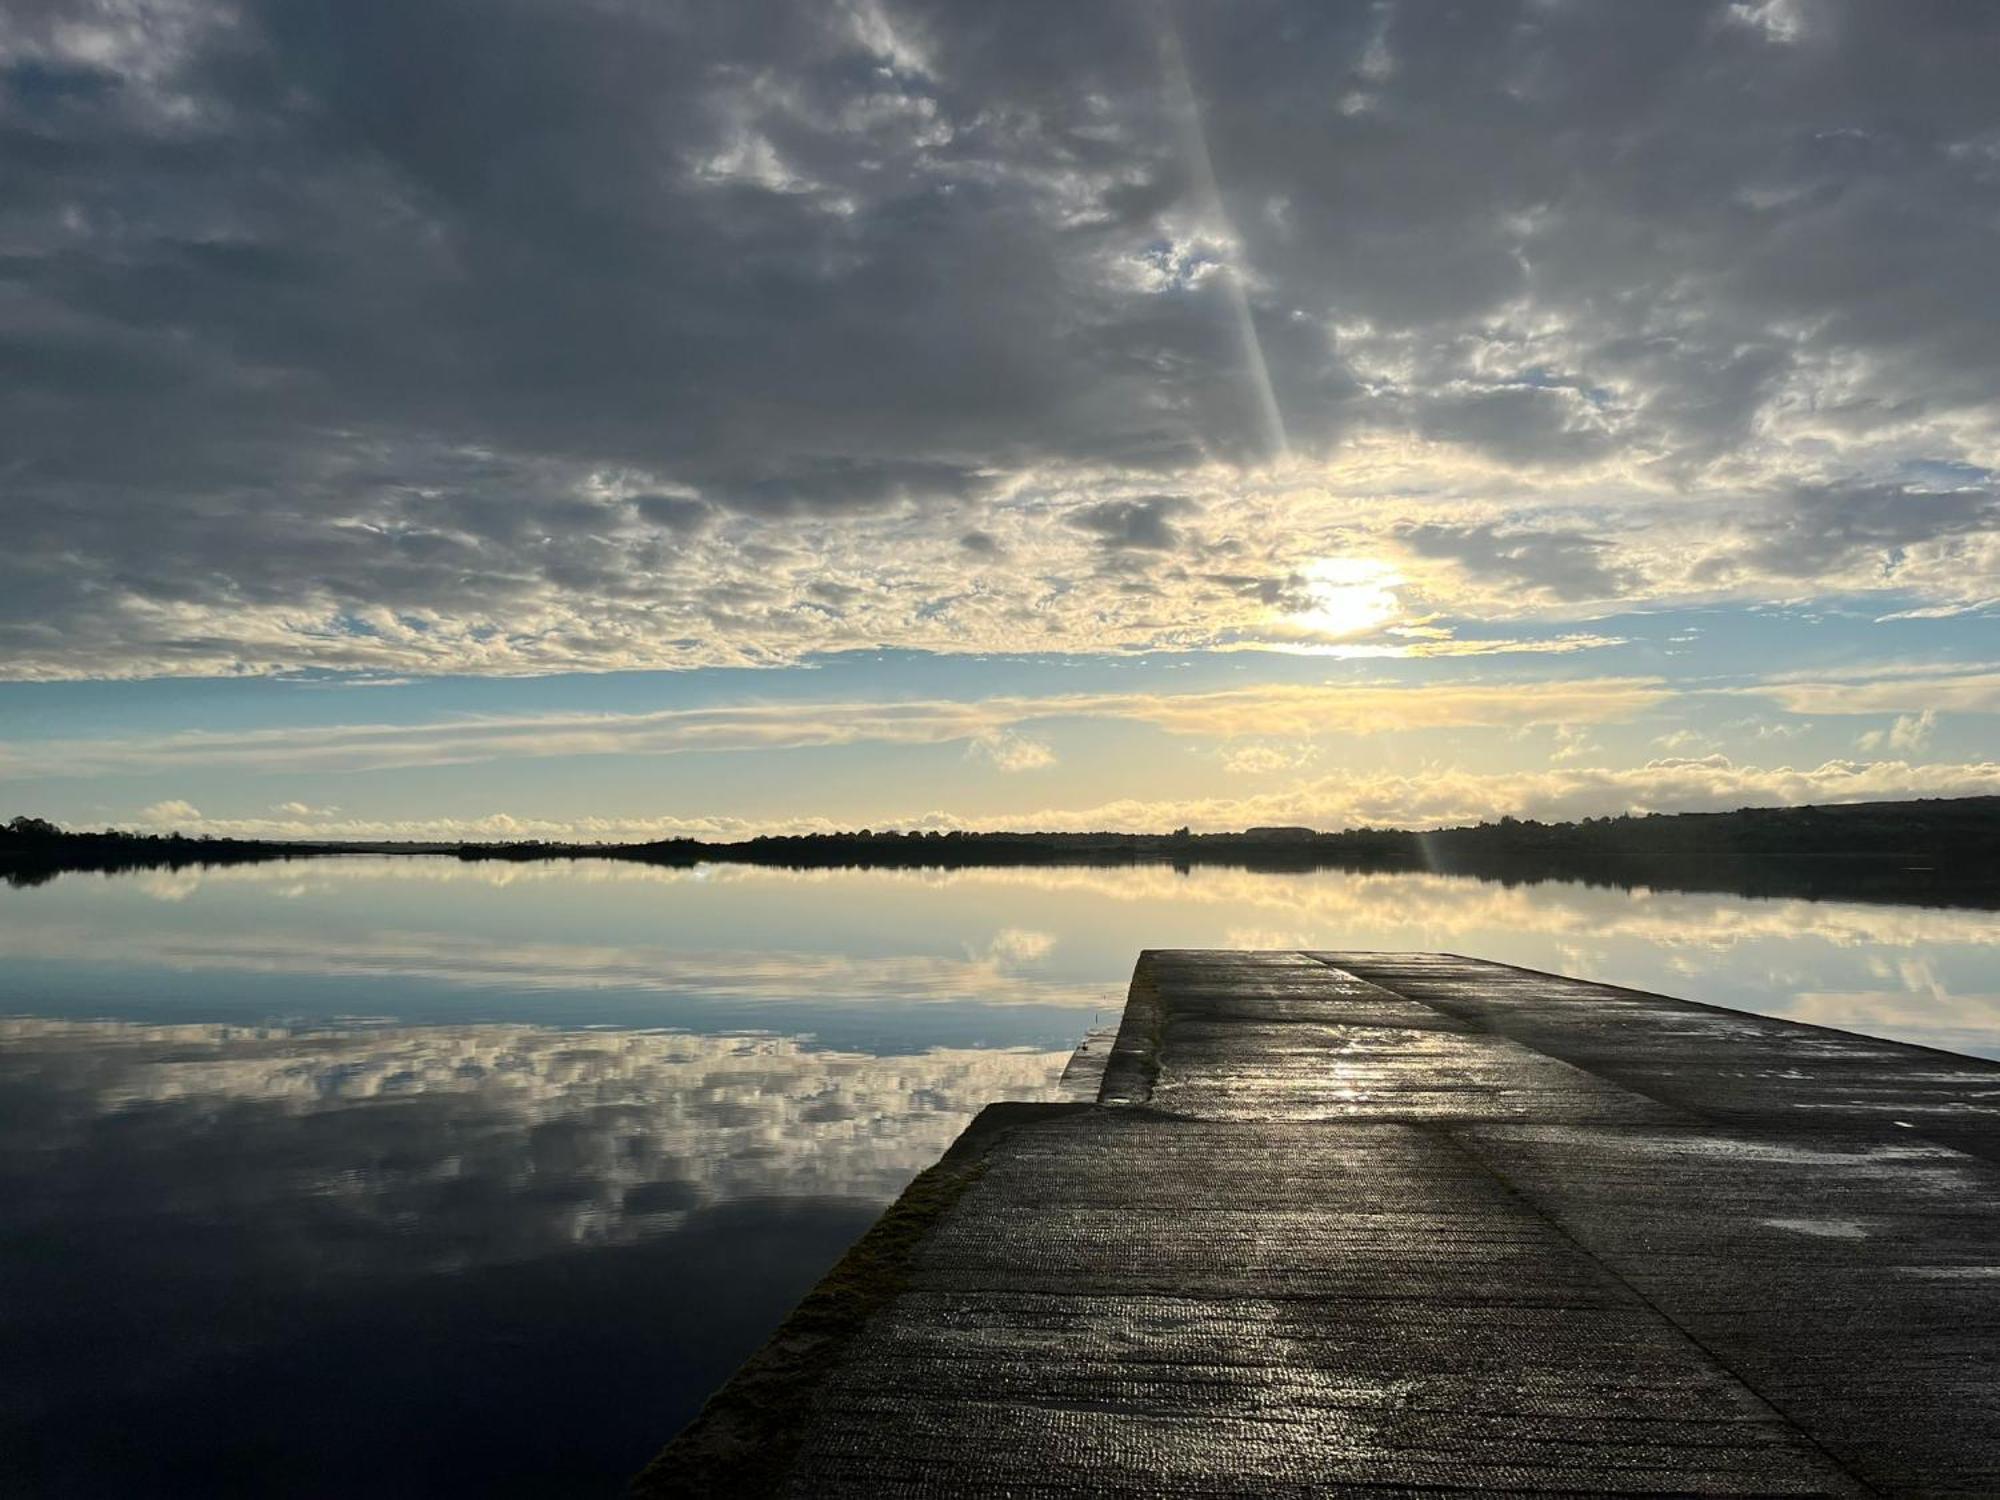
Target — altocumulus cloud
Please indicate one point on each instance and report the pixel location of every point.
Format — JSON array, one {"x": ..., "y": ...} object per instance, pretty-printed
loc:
[{"x": 556, "y": 336}]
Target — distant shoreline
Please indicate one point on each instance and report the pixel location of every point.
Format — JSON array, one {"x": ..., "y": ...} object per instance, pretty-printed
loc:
[{"x": 1937, "y": 851}]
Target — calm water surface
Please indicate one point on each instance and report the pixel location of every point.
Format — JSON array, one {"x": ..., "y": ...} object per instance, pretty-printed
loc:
[{"x": 417, "y": 1177}]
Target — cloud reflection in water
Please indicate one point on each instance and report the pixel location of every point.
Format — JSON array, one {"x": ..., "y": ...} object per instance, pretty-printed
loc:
[
  {"x": 571, "y": 1136},
  {"x": 490, "y": 1258}
]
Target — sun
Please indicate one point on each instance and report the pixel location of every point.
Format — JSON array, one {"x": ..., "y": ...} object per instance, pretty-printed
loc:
[{"x": 1349, "y": 596}]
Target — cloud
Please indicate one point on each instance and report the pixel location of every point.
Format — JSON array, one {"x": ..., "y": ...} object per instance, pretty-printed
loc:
[
  {"x": 675, "y": 313},
  {"x": 1267, "y": 759},
  {"x": 1910, "y": 732},
  {"x": 993, "y": 725},
  {"x": 1779, "y": 731},
  {"x": 680, "y": 514},
  {"x": 1819, "y": 530},
  {"x": 1565, "y": 565},
  {"x": 1433, "y": 797},
  {"x": 1913, "y": 732},
  {"x": 1573, "y": 742},
  {"x": 1143, "y": 525},
  {"x": 1440, "y": 797},
  {"x": 1446, "y": 796},
  {"x": 1685, "y": 742},
  {"x": 1007, "y": 751},
  {"x": 1905, "y": 688},
  {"x": 173, "y": 810}
]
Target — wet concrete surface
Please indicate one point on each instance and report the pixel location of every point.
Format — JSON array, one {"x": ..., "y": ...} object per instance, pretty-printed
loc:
[{"x": 1407, "y": 1223}]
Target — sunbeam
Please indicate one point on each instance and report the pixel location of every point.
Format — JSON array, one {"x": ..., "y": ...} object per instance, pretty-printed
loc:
[{"x": 1186, "y": 109}]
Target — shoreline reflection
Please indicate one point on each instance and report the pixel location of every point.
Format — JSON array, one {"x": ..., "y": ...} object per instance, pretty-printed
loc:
[{"x": 1020, "y": 956}]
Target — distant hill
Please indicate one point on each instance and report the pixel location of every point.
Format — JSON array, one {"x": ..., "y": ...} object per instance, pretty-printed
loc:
[{"x": 1931, "y": 849}]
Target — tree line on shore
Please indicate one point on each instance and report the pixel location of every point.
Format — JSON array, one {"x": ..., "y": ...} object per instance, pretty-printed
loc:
[{"x": 1942, "y": 844}]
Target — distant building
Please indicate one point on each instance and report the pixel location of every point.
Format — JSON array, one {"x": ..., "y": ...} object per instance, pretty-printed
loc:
[{"x": 1280, "y": 833}]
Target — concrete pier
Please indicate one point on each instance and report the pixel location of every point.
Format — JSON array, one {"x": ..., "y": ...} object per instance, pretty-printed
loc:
[{"x": 1413, "y": 1223}]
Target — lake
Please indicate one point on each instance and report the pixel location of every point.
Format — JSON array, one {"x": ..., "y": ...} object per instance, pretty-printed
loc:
[{"x": 411, "y": 1176}]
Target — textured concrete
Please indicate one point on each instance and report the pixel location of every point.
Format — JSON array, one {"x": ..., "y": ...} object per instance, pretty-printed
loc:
[{"x": 1414, "y": 1224}]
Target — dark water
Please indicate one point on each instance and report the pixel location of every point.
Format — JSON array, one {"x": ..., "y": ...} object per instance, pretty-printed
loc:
[{"x": 412, "y": 1177}]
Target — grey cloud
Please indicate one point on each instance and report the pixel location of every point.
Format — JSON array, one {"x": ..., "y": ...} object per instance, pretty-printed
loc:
[
  {"x": 1520, "y": 422},
  {"x": 1819, "y": 529},
  {"x": 1565, "y": 565},
  {"x": 326, "y": 309},
  {"x": 847, "y": 485},
  {"x": 1144, "y": 525},
  {"x": 675, "y": 513}
]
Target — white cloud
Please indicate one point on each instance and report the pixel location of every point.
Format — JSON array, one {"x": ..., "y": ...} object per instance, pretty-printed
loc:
[
  {"x": 1432, "y": 798},
  {"x": 1781, "y": 731},
  {"x": 1684, "y": 742},
  {"x": 1440, "y": 797},
  {"x": 1266, "y": 758},
  {"x": 1573, "y": 742},
  {"x": 1910, "y": 688},
  {"x": 1781, "y": 21},
  {"x": 993, "y": 725},
  {"x": 1913, "y": 732},
  {"x": 172, "y": 811},
  {"x": 1007, "y": 751},
  {"x": 1910, "y": 732}
]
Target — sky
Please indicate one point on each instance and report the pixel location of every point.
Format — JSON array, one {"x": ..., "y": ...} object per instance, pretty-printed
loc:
[{"x": 626, "y": 418}]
